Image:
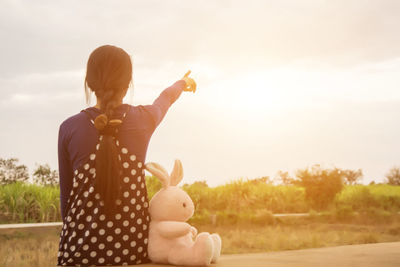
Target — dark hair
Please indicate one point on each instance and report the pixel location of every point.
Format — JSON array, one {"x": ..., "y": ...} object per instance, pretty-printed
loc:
[{"x": 108, "y": 75}]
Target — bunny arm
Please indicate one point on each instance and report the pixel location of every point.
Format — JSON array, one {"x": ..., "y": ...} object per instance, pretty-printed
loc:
[
  {"x": 193, "y": 230},
  {"x": 173, "y": 229}
]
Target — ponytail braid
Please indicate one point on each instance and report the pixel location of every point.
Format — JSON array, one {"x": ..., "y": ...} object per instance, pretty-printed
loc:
[
  {"x": 108, "y": 164},
  {"x": 108, "y": 75}
]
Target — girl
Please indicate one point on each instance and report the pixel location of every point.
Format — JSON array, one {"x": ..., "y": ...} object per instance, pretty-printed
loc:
[{"x": 101, "y": 153}]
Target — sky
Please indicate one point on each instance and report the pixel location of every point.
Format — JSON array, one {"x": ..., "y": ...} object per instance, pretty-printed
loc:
[{"x": 282, "y": 85}]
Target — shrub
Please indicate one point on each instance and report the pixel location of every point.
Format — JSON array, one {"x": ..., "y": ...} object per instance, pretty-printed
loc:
[
  {"x": 393, "y": 176},
  {"x": 152, "y": 185},
  {"x": 321, "y": 185},
  {"x": 344, "y": 212},
  {"x": 201, "y": 217},
  {"x": 362, "y": 197}
]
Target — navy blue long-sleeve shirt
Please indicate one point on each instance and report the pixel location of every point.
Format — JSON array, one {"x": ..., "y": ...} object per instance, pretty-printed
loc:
[{"x": 78, "y": 137}]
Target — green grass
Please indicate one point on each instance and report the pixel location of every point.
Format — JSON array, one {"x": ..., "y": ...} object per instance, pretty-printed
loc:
[
  {"x": 240, "y": 200},
  {"x": 361, "y": 197},
  {"x": 240, "y": 211},
  {"x": 240, "y": 196},
  {"x": 21, "y": 202}
]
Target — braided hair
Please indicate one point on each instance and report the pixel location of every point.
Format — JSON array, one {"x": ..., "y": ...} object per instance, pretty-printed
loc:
[{"x": 108, "y": 75}]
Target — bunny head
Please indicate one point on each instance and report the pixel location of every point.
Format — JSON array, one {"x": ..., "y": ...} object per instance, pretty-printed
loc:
[{"x": 170, "y": 203}]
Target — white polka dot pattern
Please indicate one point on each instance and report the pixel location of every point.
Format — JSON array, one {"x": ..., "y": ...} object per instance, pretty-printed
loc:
[{"x": 88, "y": 236}]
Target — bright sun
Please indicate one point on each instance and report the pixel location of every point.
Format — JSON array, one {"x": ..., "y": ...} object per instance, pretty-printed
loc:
[{"x": 258, "y": 93}]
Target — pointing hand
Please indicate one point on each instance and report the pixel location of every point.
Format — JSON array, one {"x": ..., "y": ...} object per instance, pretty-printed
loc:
[{"x": 190, "y": 83}]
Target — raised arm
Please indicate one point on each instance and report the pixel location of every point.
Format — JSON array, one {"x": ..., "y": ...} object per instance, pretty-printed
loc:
[
  {"x": 161, "y": 105},
  {"x": 172, "y": 229}
]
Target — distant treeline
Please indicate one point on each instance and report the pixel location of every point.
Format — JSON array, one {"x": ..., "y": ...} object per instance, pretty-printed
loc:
[
  {"x": 250, "y": 200},
  {"x": 312, "y": 189},
  {"x": 11, "y": 171}
]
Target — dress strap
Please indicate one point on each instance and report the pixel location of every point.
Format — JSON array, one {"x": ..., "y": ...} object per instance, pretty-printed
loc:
[
  {"x": 91, "y": 118},
  {"x": 111, "y": 130},
  {"x": 88, "y": 115}
]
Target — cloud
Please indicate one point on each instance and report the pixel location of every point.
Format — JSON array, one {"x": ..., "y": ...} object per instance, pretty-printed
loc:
[
  {"x": 232, "y": 35},
  {"x": 323, "y": 52}
]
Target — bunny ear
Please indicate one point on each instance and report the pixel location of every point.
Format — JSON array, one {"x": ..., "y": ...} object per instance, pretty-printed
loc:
[
  {"x": 158, "y": 171},
  {"x": 177, "y": 173}
]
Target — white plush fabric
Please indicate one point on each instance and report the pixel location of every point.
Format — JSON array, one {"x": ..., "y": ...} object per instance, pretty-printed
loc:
[{"x": 171, "y": 239}]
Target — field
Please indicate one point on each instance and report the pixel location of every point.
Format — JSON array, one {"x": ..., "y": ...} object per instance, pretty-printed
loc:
[
  {"x": 241, "y": 212},
  {"x": 249, "y": 200},
  {"x": 40, "y": 248}
]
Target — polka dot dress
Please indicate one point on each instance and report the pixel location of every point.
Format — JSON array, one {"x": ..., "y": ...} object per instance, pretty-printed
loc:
[{"x": 88, "y": 236}]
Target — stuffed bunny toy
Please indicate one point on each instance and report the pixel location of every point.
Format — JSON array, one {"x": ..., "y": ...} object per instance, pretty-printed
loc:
[{"x": 171, "y": 239}]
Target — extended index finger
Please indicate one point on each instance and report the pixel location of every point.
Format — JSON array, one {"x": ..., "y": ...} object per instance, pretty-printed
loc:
[{"x": 194, "y": 87}]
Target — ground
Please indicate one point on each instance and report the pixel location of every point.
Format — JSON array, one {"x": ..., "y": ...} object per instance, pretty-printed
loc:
[
  {"x": 287, "y": 242},
  {"x": 382, "y": 254}
]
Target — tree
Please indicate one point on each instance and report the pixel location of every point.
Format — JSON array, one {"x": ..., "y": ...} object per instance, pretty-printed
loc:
[
  {"x": 11, "y": 172},
  {"x": 200, "y": 183},
  {"x": 393, "y": 176},
  {"x": 321, "y": 185},
  {"x": 261, "y": 180},
  {"x": 43, "y": 175},
  {"x": 352, "y": 177},
  {"x": 284, "y": 178}
]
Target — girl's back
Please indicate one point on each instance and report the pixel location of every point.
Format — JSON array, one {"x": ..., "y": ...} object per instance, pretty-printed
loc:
[
  {"x": 102, "y": 151},
  {"x": 89, "y": 235}
]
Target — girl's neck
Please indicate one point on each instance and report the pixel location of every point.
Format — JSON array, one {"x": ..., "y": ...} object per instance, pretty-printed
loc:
[{"x": 99, "y": 103}]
